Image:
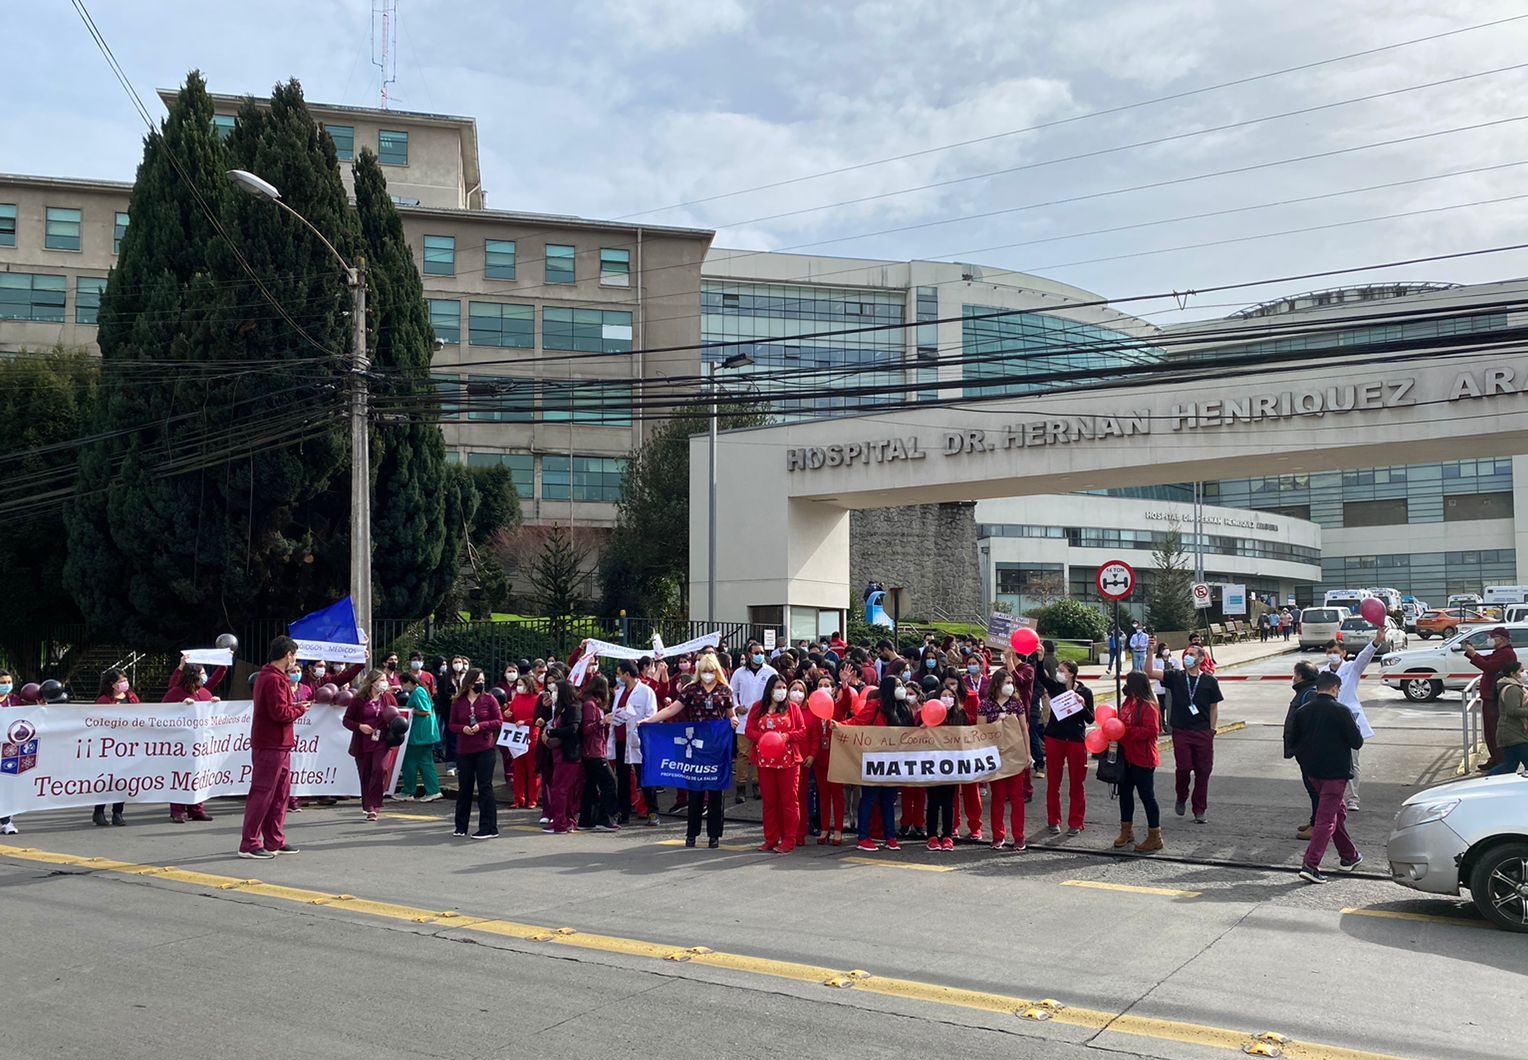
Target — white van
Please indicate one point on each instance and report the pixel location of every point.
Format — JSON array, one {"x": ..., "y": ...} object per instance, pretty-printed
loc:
[
  {"x": 1506, "y": 594},
  {"x": 1320, "y": 624}
]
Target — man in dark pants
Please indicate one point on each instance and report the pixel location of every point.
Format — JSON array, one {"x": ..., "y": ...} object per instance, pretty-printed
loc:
[
  {"x": 1500, "y": 643},
  {"x": 1305, "y": 689},
  {"x": 271, "y": 741},
  {"x": 1195, "y": 713},
  {"x": 1325, "y": 737}
]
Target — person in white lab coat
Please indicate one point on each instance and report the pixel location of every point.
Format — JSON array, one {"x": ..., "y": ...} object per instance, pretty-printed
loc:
[
  {"x": 1350, "y": 671},
  {"x": 634, "y": 702}
]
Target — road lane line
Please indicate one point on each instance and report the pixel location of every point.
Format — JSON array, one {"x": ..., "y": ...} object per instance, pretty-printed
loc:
[
  {"x": 888, "y": 863},
  {"x": 933, "y": 993},
  {"x": 1134, "y": 889},
  {"x": 1426, "y": 918}
]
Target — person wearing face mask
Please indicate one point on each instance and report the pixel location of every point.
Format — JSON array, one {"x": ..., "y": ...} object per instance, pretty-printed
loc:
[
  {"x": 190, "y": 684},
  {"x": 1512, "y": 719},
  {"x": 419, "y": 670},
  {"x": 453, "y": 685},
  {"x": 747, "y": 689},
  {"x": 8, "y": 698},
  {"x": 1196, "y": 702},
  {"x": 118, "y": 690},
  {"x": 1010, "y": 695},
  {"x": 942, "y": 823},
  {"x": 1490, "y": 666},
  {"x": 707, "y": 698},
  {"x": 476, "y": 719},
  {"x": 1066, "y": 752},
  {"x": 424, "y": 733},
  {"x": 367, "y": 719},
  {"x": 1350, "y": 672},
  {"x": 975, "y": 685},
  {"x": 1206, "y": 657},
  {"x": 634, "y": 701},
  {"x": 1304, "y": 686},
  {"x": 814, "y": 774},
  {"x": 1143, "y": 724},
  {"x": 885, "y": 706},
  {"x": 1166, "y": 663},
  {"x": 523, "y": 780},
  {"x": 779, "y": 711}
]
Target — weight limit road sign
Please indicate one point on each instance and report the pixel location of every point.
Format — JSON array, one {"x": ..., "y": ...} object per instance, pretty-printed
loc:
[
  {"x": 1115, "y": 579},
  {"x": 1201, "y": 594}
]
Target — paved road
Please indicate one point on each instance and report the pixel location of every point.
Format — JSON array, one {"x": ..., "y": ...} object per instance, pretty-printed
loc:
[{"x": 108, "y": 952}]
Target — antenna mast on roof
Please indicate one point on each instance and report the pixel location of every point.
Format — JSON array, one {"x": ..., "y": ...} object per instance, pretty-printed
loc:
[{"x": 384, "y": 42}]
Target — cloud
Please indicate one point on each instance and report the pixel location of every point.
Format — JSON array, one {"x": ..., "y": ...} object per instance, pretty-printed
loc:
[{"x": 668, "y": 25}]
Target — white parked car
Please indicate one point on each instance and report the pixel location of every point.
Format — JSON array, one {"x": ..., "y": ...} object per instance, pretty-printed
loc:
[
  {"x": 1320, "y": 624},
  {"x": 1353, "y": 633},
  {"x": 1425, "y": 673},
  {"x": 1471, "y": 834}
]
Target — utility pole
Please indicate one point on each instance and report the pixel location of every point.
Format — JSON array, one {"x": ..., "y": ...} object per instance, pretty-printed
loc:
[
  {"x": 360, "y": 457},
  {"x": 711, "y": 501}
]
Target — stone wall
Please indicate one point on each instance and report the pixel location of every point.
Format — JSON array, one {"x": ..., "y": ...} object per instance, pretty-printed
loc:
[{"x": 928, "y": 549}]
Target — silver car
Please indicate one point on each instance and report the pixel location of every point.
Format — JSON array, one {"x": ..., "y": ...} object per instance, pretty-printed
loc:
[{"x": 1471, "y": 834}]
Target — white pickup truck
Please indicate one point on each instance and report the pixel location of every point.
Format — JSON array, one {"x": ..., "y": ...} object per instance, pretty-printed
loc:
[{"x": 1426, "y": 673}]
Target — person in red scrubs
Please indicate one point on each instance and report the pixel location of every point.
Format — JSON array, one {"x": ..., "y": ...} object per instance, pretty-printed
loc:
[
  {"x": 117, "y": 689},
  {"x": 1008, "y": 696},
  {"x": 366, "y": 718},
  {"x": 190, "y": 684},
  {"x": 779, "y": 711},
  {"x": 271, "y": 740}
]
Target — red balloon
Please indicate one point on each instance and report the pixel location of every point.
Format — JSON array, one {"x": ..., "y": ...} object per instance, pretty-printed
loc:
[
  {"x": 820, "y": 703},
  {"x": 859, "y": 701},
  {"x": 771, "y": 745},
  {"x": 325, "y": 693},
  {"x": 1373, "y": 611},
  {"x": 344, "y": 697},
  {"x": 934, "y": 712},
  {"x": 31, "y": 692},
  {"x": 1103, "y": 712},
  {"x": 1095, "y": 741},
  {"x": 1112, "y": 729},
  {"x": 1024, "y": 640}
]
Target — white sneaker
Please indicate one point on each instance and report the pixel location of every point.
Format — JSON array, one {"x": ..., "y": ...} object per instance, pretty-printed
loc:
[
  {"x": 546, "y": 820},
  {"x": 402, "y": 798},
  {"x": 428, "y": 798},
  {"x": 8, "y": 829}
]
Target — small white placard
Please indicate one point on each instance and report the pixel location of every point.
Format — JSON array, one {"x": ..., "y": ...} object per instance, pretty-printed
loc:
[{"x": 1064, "y": 705}]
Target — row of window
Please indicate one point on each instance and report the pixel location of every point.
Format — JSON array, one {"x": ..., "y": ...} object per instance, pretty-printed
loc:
[
  {"x": 40, "y": 297},
  {"x": 392, "y": 144},
  {"x": 499, "y": 261},
  {"x": 1000, "y": 343},
  {"x": 1429, "y": 575},
  {"x": 63, "y": 228},
  {"x": 1147, "y": 540},
  {"x": 512, "y": 326},
  {"x": 577, "y": 478},
  {"x": 515, "y": 399}
]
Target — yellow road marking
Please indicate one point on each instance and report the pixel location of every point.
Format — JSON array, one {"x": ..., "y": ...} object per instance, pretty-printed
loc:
[
  {"x": 415, "y": 816},
  {"x": 889, "y": 863},
  {"x": 740, "y": 848},
  {"x": 1101, "y": 886},
  {"x": 1427, "y": 918},
  {"x": 1220, "y": 730},
  {"x": 1136, "y": 1026}
]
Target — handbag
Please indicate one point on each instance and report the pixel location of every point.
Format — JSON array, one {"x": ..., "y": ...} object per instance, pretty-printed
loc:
[{"x": 1111, "y": 765}]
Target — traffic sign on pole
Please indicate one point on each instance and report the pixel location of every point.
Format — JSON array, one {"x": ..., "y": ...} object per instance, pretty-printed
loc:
[
  {"x": 1201, "y": 595},
  {"x": 1115, "y": 579}
]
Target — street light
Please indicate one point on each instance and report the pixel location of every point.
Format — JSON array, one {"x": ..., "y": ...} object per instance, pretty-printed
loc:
[
  {"x": 737, "y": 360},
  {"x": 360, "y": 438}
]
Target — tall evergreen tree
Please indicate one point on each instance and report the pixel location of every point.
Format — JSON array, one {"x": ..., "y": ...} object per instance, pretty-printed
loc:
[
  {"x": 1169, "y": 605},
  {"x": 415, "y": 560},
  {"x": 217, "y": 424}
]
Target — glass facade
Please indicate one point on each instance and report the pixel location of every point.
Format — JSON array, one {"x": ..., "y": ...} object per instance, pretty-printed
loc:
[
  {"x": 63, "y": 229},
  {"x": 1432, "y": 576},
  {"x": 560, "y": 263},
  {"x": 393, "y": 147},
  {"x": 501, "y": 324},
  {"x": 586, "y": 330},
  {"x": 744, "y": 314},
  {"x": 118, "y": 230},
  {"x": 592, "y": 478},
  {"x": 440, "y": 255},
  {"x": 446, "y": 319},
  {"x": 499, "y": 259},
  {"x": 87, "y": 298},
  {"x": 32, "y": 296},
  {"x": 585, "y": 401},
  {"x": 344, "y": 140},
  {"x": 7, "y": 224},
  {"x": 615, "y": 268},
  {"x": 1018, "y": 343},
  {"x": 1148, "y": 540},
  {"x": 522, "y": 469}
]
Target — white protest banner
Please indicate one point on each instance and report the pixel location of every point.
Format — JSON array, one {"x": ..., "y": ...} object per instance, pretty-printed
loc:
[
  {"x": 80, "y": 754},
  {"x": 208, "y": 656},
  {"x": 609, "y": 650},
  {"x": 581, "y": 668},
  {"x": 517, "y": 738},
  {"x": 769, "y": 640},
  {"x": 1064, "y": 705}
]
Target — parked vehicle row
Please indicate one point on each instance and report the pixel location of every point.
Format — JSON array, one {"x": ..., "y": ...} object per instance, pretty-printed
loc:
[{"x": 1425, "y": 674}]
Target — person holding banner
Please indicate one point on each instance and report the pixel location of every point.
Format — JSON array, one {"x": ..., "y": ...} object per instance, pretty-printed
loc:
[
  {"x": 562, "y": 736},
  {"x": 830, "y": 796},
  {"x": 1071, "y": 711},
  {"x": 366, "y": 718},
  {"x": 424, "y": 734},
  {"x": 523, "y": 779},
  {"x": 707, "y": 698},
  {"x": 887, "y": 706},
  {"x": 271, "y": 740},
  {"x": 942, "y": 818},
  {"x": 189, "y": 684},
  {"x": 778, "y": 713},
  {"x": 476, "y": 720},
  {"x": 1009, "y": 694},
  {"x": 8, "y": 698},
  {"x": 1143, "y": 724},
  {"x": 599, "y": 801},
  {"x": 634, "y": 702},
  {"x": 115, "y": 689}
]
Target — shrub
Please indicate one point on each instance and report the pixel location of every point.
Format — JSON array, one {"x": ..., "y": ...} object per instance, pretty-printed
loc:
[{"x": 1072, "y": 620}]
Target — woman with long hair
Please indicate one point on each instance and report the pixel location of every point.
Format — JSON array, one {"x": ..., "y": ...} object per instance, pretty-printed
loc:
[
  {"x": 476, "y": 720},
  {"x": 116, "y": 689},
  {"x": 887, "y": 706},
  {"x": 563, "y": 737},
  {"x": 599, "y": 800},
  {"x": 942, "y": 824},
  {"x": 779, "y": 711},
  {"x": 190, "y": 684},
  {"x": 522, "y": 711},
  {"x": 366, "y": 718},
  {"x": 817, "y": 747},
  {"x": 1143, "y": 724},
  {"x": 707, "y": 698},
  {"x": 1008, "y": 695},
  {"x": 1065, "y": 751}
]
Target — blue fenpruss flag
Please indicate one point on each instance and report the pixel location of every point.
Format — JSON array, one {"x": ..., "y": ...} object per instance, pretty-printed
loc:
[{"x": 696, "y": 755}]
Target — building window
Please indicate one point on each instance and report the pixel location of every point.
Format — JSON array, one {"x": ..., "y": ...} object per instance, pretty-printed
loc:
[
  {"x": 7, "y": 224},
  {"x": 500, "y": 399},
  {"x": 496, "y": 324},
  {"x": 586, "y": 401},
  {"x": 344, "y": 141},
  {"x": 32, "y": 296},
  {"x": 393, "y": 147},
  {"x": 440, "y": 255},
  {"x": 1477, "y": 506},
  {"x": 63, "y": 231},
  {"x": 1374, "y": 513},
  {"x": 522, "y": 469},
  {"x": 615, "y": 268},
  {"x": 593, "y": 478},
  {"x": 559, "y": 264},
  {"x": 119, "y": 229},
  {"x": 928, "y": 333},
  {"x": 446, "y": 319},
  {"x": 586, "y": 330},
  {"x": 87, "y": 298},
  {"x": 499, "y": 259},
  {"x": 449, "y": 390},
  {"x": 222, "y": 125}
]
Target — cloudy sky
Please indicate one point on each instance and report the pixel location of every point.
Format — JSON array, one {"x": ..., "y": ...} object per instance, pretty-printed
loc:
[{"x": 687, "y": 111}]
